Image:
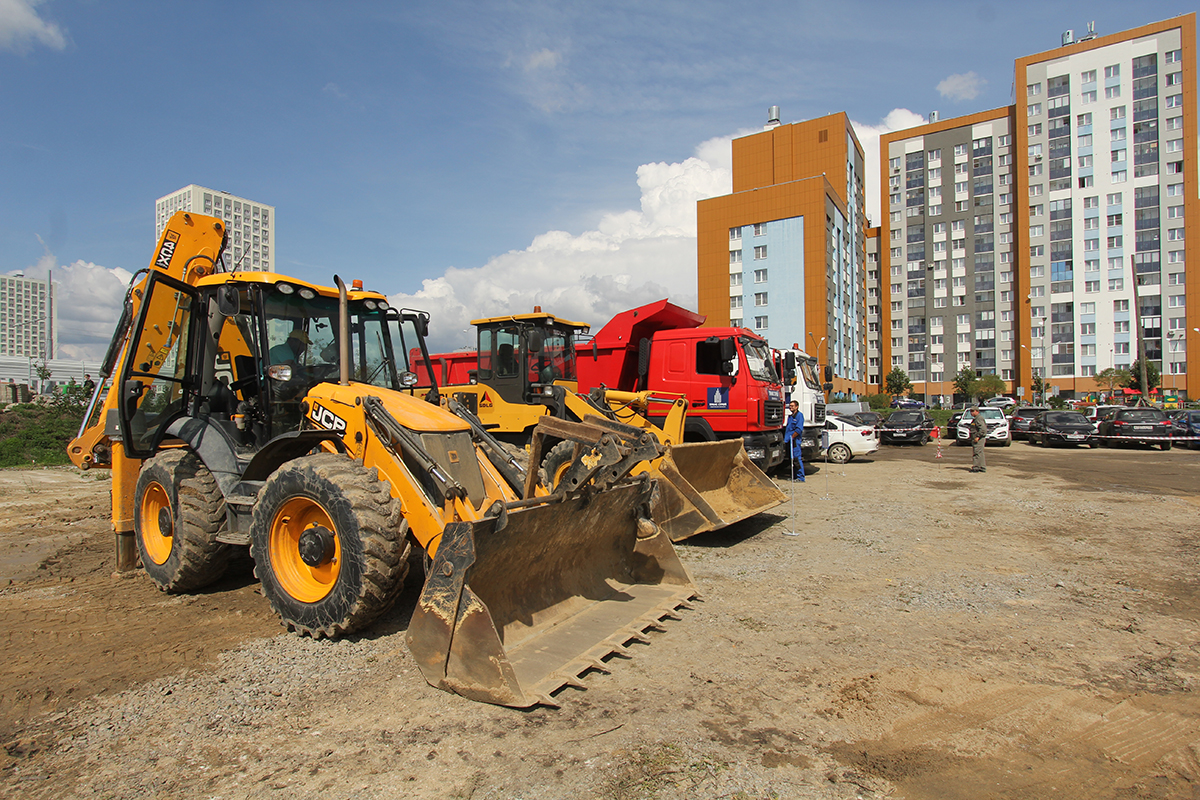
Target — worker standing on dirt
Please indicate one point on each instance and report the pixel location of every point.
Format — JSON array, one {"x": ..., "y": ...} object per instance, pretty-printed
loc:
[
  {"x": 794, "y": 434},
  {"x": 978, "y": 441}
]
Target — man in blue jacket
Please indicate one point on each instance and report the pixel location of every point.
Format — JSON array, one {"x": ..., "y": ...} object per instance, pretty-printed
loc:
[{"x": 794, "y": 435}]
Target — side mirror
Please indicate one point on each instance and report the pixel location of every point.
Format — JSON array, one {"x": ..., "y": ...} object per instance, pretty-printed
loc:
[
  {"x": 535, "y": 340},
  {"x": 789, "y": 362},
  {"x": 229, "y": 301},
  {"x": 828, "y": 373},
  {"x": 728, "y": 349},
  {"x": 828, "y": 386}
]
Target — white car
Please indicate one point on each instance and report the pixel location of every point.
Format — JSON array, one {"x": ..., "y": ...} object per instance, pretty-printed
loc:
[
  {"x": 999, "y": 431},
  {"x": 847, "y": 439}
]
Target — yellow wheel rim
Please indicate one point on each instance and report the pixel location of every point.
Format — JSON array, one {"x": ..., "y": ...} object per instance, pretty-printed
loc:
[
  {"x": 157, "y": 541},
  {"x": 302, "y": 582},
  {"x": 557, "y": 477}
]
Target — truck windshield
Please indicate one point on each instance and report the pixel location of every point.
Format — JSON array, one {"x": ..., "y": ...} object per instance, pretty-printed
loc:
[
  {"x": 758, "y": 360},
  {"x": 808, "y": 368}
]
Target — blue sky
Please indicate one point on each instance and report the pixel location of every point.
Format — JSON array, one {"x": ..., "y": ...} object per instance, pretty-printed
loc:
[{"x": 468, "y": 158}]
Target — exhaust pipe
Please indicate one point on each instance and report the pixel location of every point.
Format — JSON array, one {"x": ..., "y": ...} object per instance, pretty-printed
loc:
[{"x": 343, "y": 332}]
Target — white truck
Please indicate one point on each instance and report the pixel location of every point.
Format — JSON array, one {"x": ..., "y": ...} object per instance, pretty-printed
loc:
[{"x": 801, "y": 382}]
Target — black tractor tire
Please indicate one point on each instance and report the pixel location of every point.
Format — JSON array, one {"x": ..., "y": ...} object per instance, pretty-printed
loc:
[
  {"x": 333, "y": 503},
  {"x": 839, "y": 453},
  {"x": 556, "y": 462},
  {"x": 178, "y": 513}
]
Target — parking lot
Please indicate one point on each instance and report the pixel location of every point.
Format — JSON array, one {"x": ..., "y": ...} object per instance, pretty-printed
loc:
[{"x": 898, "y": 628}]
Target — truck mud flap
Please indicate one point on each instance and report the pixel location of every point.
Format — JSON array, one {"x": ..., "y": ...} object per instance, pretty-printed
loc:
[
  {"x": 513, "y": 611},
  {"x": 703, "y": 486}
]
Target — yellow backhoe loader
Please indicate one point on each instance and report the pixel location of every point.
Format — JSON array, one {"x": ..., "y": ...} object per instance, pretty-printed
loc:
[
  {"x": 254, "y": 409},
  {"x": 524, "y": 372}
]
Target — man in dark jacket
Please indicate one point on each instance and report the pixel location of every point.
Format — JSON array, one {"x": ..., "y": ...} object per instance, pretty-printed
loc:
[
  {"x": 979, "y": 431},
  {"x": 794, "y": 435}
]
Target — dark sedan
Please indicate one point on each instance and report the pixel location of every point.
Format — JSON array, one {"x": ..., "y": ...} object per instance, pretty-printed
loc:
[
  {"x": 1186, "y": 424},
  {"x": 1143, "y": 425},
  {"x": 905, "y": 427},
  {"x": 1022, "y": 418},
  {"x": 1061, "y": 427}
]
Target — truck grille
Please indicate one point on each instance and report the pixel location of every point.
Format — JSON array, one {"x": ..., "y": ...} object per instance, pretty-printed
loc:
[
  {"x": 819, "y": 413},
  {"x": 773, "y": 412}
]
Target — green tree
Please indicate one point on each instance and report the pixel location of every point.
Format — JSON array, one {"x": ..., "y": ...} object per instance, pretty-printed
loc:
[
  {"x": 1113, "y": 377},
  {"x": 897, "y": 382},
  {"x": 1135, "y": 375},
  {"x": 964, "y": 382},
  {"x": 988, "y": 385}
]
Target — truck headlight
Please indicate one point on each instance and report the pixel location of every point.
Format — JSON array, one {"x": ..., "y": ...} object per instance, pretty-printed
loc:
[{"x": 756, "y": 452}]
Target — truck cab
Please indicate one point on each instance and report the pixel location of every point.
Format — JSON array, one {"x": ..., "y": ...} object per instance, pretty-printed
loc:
[{"x": 801, "y": 382}]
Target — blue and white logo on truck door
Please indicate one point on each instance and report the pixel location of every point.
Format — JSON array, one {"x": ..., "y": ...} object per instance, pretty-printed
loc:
[{"x": 718, "y": 398}]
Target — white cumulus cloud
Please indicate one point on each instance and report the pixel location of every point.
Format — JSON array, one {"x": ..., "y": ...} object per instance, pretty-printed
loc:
[
  {"x": 21, "y": 27},
  {"x": 632, "y": 257},
  {"x": 868, "y": 136},
  {"x": 89, "y": 299},
  {"x": 966, "y": 86}
]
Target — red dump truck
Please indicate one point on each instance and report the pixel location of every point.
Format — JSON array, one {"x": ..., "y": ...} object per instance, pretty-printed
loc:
[{"x": 727, "y": 374}]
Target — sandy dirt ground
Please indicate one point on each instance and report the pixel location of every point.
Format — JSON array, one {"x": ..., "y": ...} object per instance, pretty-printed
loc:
[{"x": 899, "y": 628}]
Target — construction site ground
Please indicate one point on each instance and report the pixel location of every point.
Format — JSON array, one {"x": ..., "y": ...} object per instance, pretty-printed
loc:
[{"x": 899, "y": 628}]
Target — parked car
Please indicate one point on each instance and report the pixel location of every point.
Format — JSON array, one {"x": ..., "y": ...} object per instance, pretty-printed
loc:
[
  {"x": 906, "y": 402},
  {"x": 1061, "y": 427},
  {"x": 872, "y": 418},
  {"x": 1141, "y": 424},
  {"x": 847, "y": 439},
  {"x": 999, "y": 431},
  {"x": 1000, "y": 402},
  {"x": 907, "y": 426},
  {"x": 1186, "y": 423},
  {"x": 1097, "y": 413},
  {"x": 1021, "y": 417}
]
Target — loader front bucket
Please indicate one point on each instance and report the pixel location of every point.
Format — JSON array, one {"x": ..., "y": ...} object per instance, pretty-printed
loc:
[
  {"x": 510, "y": 616},
  {"x": 703, "y": 486}
]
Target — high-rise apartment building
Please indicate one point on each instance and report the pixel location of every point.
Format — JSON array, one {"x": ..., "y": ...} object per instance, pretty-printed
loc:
[
  {"x": 948, "y": 257},
  {"x": 1107, "y": 129},
  {"x": 1029, "y": 240},
  {"x": 784, "y": 254},
  {"x": 250, "y": 225},
  {"x": 28, "y": 317}
]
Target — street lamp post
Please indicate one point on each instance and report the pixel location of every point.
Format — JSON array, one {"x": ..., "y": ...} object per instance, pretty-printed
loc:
[{"x": 817, "y": 354}]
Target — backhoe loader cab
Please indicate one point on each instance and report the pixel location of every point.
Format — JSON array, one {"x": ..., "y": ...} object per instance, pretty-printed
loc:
[{"x": 252, "y": 409}]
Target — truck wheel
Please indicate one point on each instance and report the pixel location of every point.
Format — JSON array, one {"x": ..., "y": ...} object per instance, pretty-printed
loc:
[
  {"x": 556, "y": 462},
  {"x": 329, "y": 545},
  {"x": 1165, "y": 445},
  {"x": 178, "y": 514},
  {"x": 839, "y": 453}
]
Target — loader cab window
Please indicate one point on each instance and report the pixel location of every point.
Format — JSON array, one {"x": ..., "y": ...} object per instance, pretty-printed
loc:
[
  {"x": 499, "y": 349},
  {"x": 556, "y": 360}
]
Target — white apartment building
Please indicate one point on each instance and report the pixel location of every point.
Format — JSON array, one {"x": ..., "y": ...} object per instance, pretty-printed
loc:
[
  {"x": 250, "y": 224},
  {"x": 28, "y": 317},
  {"x": 1107, "y": 131}
]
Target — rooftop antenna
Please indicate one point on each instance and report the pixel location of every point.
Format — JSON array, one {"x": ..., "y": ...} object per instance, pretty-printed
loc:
[{"x": 772, "y": 118}]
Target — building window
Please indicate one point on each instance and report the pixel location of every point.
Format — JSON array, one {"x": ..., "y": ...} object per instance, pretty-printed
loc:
[
  {"x": 735, "y": 256},
  {"x": 760, "y": 252},
  {"x": 735, "y": 301},
  {"x": 1111, "y": 92},
  {"x": 735, "y": 234},
  {"x": 759, "y": 229},
  {"x": 760, "y": 298},
  {"x": 760, "y": 323}
]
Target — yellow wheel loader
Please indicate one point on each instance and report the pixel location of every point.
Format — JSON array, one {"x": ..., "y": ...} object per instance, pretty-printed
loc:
[
  {"x": 524, "y": 372},
  {"x": 249, "y": 409}
]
